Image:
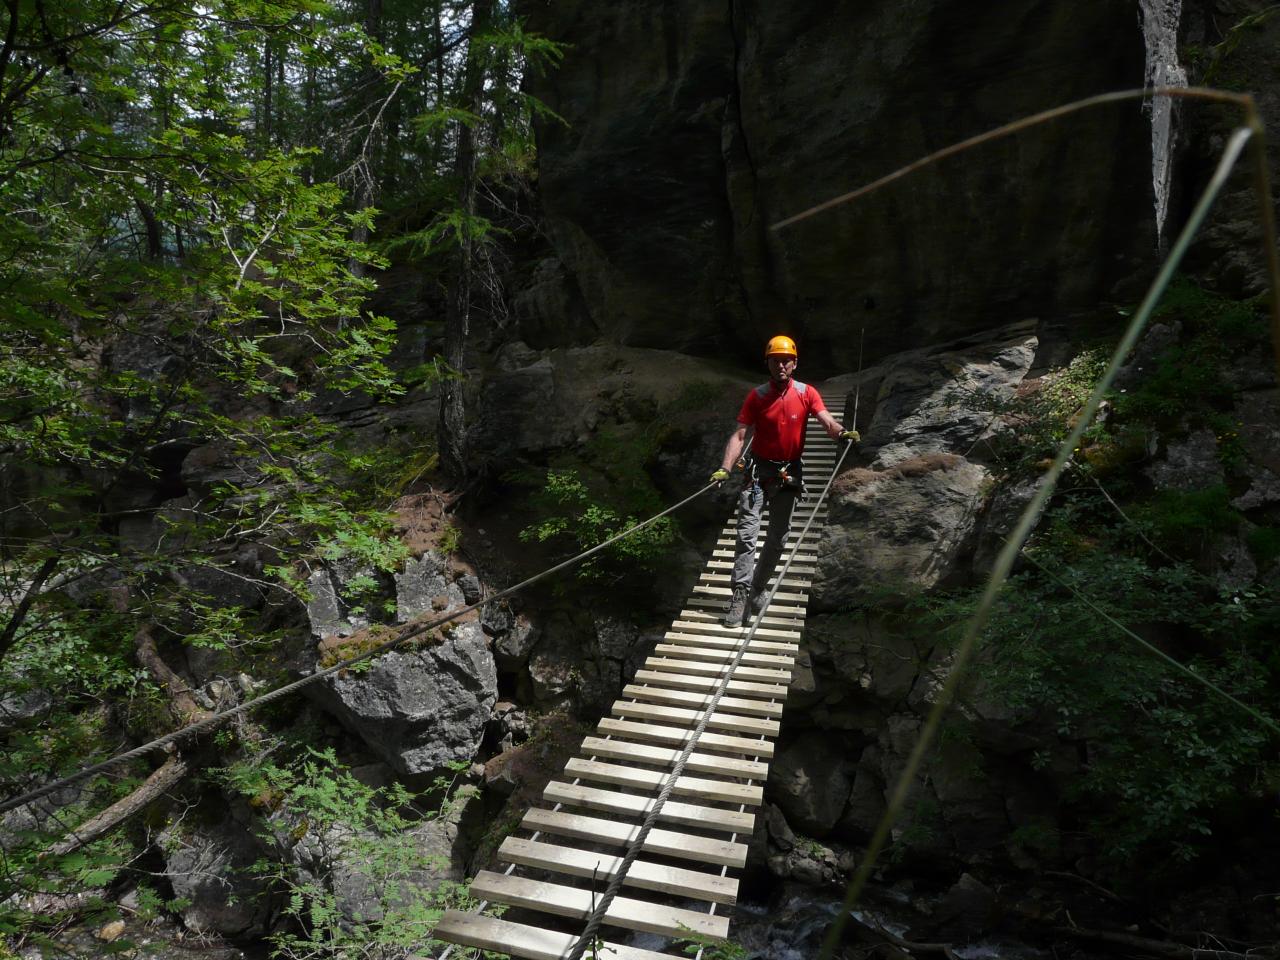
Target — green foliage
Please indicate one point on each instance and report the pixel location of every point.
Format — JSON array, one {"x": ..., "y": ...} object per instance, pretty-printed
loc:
[
  {"x": 712, "y": 948},
  {"x": 607, "y": 489},
  {"x": 316, "y": 801},
  {"x": 1037, "y": 423},
  {"x": 1264, "y": 542},
  {"x": 1186, "y": 522},
  {"x": 581, "y": 522},
  {"x": 1185, "y": 380},
  {"x": 1165, "y": 757},
  {"x": 1166, "y": 761}
]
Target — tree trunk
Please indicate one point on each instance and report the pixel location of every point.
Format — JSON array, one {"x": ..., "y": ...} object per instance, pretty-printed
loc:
[
  {"x": 10, "y": 632},
  {"x": 168, "y": 775},
  {"x": 364, "y": 165},
  {"x": 182, "y": 704},
  {"x": 452, "y": 430},
  {"x": 268, "y": 78}
]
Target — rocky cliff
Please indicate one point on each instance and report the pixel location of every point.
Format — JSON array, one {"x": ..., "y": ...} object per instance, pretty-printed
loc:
[{"x": 691, "y": 128}]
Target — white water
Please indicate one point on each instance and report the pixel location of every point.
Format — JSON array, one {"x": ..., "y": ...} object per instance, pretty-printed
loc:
[{"x": 1160, "y": 32}]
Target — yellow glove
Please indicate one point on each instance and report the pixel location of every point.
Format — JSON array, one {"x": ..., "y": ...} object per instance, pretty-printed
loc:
[
  {"x": 720, "y": 476},
  {"x": 853, "y": 436}
]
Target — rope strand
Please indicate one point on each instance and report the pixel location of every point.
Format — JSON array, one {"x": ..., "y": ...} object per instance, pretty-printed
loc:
[{"x": 403, "y": 635}]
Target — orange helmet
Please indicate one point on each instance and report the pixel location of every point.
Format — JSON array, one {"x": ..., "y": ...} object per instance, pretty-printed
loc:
[{"x": 781, "y": 346}]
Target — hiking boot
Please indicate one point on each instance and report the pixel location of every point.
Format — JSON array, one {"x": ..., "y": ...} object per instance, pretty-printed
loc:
[
  {"x": 737, "y": 606},
  {"x": 759, "y": 600}
]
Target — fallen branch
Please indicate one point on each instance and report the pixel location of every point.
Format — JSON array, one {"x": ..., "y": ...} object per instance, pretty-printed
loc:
[
  {"x": 167, "y": 775},
  {"x": 181, "y": 703},
  {"x": 910, "y": 946},
  {"x": 1167, "y": 948}
]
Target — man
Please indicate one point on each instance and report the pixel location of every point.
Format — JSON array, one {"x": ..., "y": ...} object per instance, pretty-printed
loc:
[{"x": 774, "y": 475}]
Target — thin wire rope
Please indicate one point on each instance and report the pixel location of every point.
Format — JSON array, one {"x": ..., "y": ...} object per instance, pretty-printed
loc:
[
  {"x": 1117, "y": 96},
  {"x": 596, "y": 919},
  {"x": 1004, "y": 561},
  {"x": 401, "y": 636},
  {"x": 1152, "y": 648}
]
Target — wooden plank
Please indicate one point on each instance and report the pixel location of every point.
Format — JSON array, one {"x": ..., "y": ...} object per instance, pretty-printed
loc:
[
  {"x": 659, "y": 733},
  {"x": 716, "y": 606},
  {"x": 566, "y": 901},
  {"x": 775, "y": 661},
  {"x": 781, "y": 596},
  {"x": 700, "y": 700},
  {"x": 712, "y": 640},
  {"x": 793, "y": 542},
  {"x": 798, "y": 521},
  {"x": 792, "y": 583},
  {"x": 717, "y": 721},
  {"x": 673, "y": 811},
  {"x": 702, "y": 668},
  {"x": 614, "y": 833},
  {"x": 797, "y": 566},
  {"x": 790, "y": 619},
  {"x": 643, "y": 779},
  {"x": 523, "y": 940},
  {"x": 642, "y": 874},
  {"x": 705, "y": 595},
  {"x": 718, "y": 629},
  {"x": 667, "y": 756},
  {"x": 743, "y": 688},
  {"x": 794, "y": 578}
]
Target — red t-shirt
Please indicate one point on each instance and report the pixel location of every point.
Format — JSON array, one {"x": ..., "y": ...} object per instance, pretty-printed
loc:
[{"x": 779, "y": 418}]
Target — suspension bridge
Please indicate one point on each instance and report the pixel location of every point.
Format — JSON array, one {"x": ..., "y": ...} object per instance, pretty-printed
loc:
[{"x": 698, "y": 722}]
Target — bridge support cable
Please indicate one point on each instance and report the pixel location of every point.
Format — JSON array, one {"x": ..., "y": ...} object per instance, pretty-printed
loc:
[
  {"x": 703, "y": 710},
  {"x": 403, "y": 635}
]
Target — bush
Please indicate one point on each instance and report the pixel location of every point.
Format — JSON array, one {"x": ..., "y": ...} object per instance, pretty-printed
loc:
[{"x": 581, "y": 522}]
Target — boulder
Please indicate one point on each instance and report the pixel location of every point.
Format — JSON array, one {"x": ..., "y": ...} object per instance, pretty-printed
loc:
[
  {"x": 866, "y": 798},
  {"x": 211, "y": 464},
  {"x": 209, "y": 865},
  {"x": 418, "y": 709},
  {"x": 513, "y": 644},
  {"x": 810, "y": 783},
  {"x": 946, "y": 401},
  {"x": 968, "y": 910},
  {"x": 1190, "y": 463},
  {"x": 902, "y": 529},
  {"x": 370, "y": 874},
  {"x": 19, "y": 703},
  {"x": 584, "y": 659},
  {"x": 425, "y": 587},
  {"x": 554, "y": 666}
]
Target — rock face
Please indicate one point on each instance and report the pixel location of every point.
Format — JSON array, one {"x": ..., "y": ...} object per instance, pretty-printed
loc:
[
  {"x": 693, "y": 128},
  {"x": 208, "y": 865},
  {"x": 419, "y": 709},
  {"x": 1229, "y": 247},
  {"x": 903, "y": 522},
  {"x": 406, "y": 869}
]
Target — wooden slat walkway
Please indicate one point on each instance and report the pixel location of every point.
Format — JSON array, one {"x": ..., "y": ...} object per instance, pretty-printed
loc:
[{"x": 680, "y": 882}]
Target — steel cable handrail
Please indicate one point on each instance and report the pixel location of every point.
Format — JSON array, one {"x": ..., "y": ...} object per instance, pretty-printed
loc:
[{"x": 401, "y": 636}]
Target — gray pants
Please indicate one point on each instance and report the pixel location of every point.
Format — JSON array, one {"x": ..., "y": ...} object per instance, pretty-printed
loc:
[{"x": 750, "y": 507}]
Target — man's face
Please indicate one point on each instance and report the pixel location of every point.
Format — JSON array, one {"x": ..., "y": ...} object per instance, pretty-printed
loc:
[{"x": 780, "y": 367}]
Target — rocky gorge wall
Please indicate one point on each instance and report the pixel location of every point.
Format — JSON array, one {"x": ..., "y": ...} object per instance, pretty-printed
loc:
[{"x": 691, "y": 128}]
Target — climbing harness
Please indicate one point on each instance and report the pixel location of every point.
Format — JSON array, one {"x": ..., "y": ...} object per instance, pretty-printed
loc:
[
  {"x": 775, "y": 475},
  {"x": 401, "y": 636}
]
